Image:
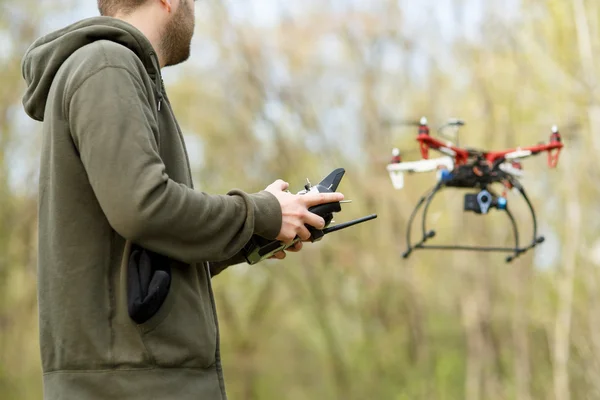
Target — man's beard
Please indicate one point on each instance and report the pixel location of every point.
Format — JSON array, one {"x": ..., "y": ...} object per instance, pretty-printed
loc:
[{"x": 177, "y": 36}]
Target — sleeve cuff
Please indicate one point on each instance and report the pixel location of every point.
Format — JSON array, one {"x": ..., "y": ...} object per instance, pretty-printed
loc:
[
  {"x": 267, "y": 215},
  {"x": 217, "y": 267}
]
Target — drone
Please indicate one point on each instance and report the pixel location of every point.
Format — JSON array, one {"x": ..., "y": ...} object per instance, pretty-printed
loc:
[{"x": 471, "y": 169}]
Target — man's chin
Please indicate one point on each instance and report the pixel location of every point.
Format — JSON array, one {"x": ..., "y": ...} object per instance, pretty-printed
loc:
[{"x": 178, "y": 60}]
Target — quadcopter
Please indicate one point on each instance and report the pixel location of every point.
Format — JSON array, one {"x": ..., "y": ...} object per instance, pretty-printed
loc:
[{"x": 466, "y": 168}]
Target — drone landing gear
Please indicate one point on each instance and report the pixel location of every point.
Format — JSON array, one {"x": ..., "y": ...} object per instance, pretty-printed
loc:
[{"x": 493, "y": 202}]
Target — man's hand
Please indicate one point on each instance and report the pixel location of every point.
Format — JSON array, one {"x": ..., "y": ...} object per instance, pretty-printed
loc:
[
  {"x": 281, "y": 254},
  {"x": 295, "y": 214}
]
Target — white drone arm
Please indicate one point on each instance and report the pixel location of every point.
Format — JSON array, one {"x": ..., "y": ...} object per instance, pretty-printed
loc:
[
  {"x": 518, "y": 154},
  {"x": 397, "y": 170},
  {"x": 510, "y": 169}
]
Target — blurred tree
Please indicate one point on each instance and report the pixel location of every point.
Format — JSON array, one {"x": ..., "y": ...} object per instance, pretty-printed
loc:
[
  {"x": 309, "y": 89},
  {"x": 19, "y": 370}
]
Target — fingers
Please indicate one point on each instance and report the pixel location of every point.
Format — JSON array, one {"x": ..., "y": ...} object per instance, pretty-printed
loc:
[
  {"x": 299, "y": 231},
  {"x": 303, "y": 232},
  {"x": 313, "y": 219},
  {"x": 294, "y": 225},
  {"x": 295, "y": 248},
  {"x": 287, "y": 237},
  {"x": 295, "y": 214},
  {"x": 280, "y": 255},
  {"x": 312, "y": 199}
]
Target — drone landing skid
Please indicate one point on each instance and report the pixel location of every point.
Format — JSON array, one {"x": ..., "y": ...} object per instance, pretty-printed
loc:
[
  {"x": 429, "y": 234},
  {"x": 517, "y": 251}
]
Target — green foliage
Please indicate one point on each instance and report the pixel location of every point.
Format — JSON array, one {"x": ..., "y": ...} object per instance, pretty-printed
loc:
[{"x": 348, "y": 318}]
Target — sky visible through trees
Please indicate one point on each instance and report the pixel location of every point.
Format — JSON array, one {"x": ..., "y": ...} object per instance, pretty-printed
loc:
[{"x": 282, "y": 89}]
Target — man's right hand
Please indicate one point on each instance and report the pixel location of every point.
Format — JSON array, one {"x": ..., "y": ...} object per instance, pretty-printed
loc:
[{"x": 294, "y": 209}]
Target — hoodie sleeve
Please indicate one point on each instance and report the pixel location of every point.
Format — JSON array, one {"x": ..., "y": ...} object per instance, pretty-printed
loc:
[
  {"x": 217, "y": 267},
  {"x": 112, "y": 125}
]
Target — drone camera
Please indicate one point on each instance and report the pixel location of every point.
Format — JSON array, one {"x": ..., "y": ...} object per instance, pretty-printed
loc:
[
  {"x": 479, "y": 203},
  {"x": 471, "y": 203},
  {"x": 484, "y": 200}
]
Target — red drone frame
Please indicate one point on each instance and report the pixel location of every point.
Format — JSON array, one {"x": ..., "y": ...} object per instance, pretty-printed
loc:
[
  {"x": 462, "y": 155},
  {"x": 472, "y": 169}
]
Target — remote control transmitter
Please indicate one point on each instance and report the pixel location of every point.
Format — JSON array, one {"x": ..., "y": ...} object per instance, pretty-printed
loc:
[{"x": 259, "y": 248}]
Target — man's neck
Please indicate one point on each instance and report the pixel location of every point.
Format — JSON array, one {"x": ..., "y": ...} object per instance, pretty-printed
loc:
[{"x": 141, "y": 20}]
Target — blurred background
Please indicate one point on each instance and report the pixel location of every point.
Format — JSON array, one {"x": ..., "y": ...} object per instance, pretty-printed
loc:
[{"x": 291, "y": 90}]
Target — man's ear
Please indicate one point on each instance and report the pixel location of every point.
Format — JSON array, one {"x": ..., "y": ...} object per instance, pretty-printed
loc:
[{"x": 166, "y": 4}]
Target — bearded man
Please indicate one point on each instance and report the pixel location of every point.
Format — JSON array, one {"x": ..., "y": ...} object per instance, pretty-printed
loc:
[{"x": 127, "y": 247}]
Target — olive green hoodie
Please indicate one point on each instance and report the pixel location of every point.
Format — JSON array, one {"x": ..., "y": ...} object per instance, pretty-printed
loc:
[{"x": 115, "y": 177}]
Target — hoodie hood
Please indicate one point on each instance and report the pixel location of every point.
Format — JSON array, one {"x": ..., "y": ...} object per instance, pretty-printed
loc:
[{"x": 46, "y": 55}]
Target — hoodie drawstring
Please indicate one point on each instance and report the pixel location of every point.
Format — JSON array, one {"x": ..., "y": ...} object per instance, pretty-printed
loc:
[{"x": 157, "y": 80}]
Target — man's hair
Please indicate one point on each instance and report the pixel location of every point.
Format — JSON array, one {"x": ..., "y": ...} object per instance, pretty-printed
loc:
[{"x": 110, "y": 8}]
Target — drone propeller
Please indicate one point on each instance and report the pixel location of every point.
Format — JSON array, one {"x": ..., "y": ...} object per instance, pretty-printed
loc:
[
  {"x": 397, "y": 155},
  {"x": 388, "y": 122},
  {"x": 452, "y": 123}
]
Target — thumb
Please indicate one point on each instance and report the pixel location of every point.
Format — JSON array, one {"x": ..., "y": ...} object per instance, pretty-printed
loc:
[{"x": 279, "y": 185}]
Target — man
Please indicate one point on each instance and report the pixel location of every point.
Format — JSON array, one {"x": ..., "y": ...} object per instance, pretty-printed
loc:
[{"x": 126, "y": 246}]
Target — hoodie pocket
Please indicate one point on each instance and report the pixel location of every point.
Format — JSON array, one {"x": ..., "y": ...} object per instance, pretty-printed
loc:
[
  {"x": 182, "y": 332},
  {"x": 148, "y": 283}
]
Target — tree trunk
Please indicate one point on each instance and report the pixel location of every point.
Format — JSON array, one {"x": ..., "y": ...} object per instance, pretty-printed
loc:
[
  {"x": 562, "y": 328},
  {"x": 520, "y": 329}
]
